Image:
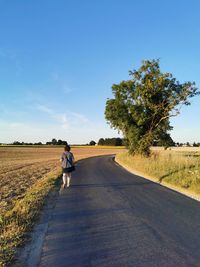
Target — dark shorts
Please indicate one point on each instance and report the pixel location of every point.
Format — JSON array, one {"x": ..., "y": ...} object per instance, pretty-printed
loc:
[{"x": 67, "y": 170}]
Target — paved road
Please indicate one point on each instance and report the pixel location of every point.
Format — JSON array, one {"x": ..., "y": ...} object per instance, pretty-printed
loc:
[{"x": 110, "y": 217}]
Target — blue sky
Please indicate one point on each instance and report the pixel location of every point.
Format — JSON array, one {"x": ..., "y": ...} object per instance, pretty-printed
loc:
[{"x": 59, "y": 59}]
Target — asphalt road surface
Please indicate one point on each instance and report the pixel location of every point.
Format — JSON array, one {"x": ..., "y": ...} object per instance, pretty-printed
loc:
[{"x": 109, "y": 217}]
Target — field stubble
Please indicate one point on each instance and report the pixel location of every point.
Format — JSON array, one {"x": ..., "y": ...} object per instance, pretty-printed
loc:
[
  {"x": 27, "y": 174},
  {"x": 21, "y": 167}
]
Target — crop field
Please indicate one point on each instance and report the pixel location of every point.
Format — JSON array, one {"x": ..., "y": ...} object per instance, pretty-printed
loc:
[
  {"x": 27, "y": 174},
  {"x": 22, "y": 167}
]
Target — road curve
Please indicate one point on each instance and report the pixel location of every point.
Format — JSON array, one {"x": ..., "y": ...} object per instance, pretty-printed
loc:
[{"x": 109, "y": 217}]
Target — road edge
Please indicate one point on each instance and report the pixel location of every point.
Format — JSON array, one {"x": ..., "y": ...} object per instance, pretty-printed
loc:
[
  {"x": 29, "y": 253},
  {"x": 153, "y": 179}
]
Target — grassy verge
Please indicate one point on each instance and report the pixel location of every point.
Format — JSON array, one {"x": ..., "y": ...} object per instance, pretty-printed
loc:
[
  {"x": 175, "y": 169},
  {"x": 16, "y": 222}
]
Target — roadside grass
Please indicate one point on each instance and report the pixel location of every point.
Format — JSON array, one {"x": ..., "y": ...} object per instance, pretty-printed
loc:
[
  {"x": 27, "y": 174},
  {"x": 16, "y": 222},
  {"x": 176, "y": 168}
]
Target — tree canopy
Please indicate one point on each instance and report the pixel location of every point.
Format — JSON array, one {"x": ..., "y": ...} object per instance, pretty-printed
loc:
[
  {"x": 142, "y": 106},
  {"x": 115, "y": 141},
  {"x": 92, "y": 143},
  {"x": 57, "y": 142}
]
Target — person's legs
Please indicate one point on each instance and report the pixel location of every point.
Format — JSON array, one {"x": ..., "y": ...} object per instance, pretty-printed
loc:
[
  {"x": 64, "y": 179},
  {"x": 68, "y": 178}
]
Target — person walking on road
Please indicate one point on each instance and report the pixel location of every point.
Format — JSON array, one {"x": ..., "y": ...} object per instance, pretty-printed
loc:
[{"x": 67, "y": 159}]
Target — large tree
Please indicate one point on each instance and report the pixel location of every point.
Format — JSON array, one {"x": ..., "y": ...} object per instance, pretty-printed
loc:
[{"x": 142, "y": 106}]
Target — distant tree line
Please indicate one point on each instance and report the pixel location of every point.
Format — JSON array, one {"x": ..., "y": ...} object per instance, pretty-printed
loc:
[
  {"x": 166, "y": 141},
  {"x": 52, "y": 142},
  {"x": 17, "y": 143},
  {"x": 92, "y": 143},
  {"x": 196, "y": 144},
  {"x": 187, "y": 144},
  {"x": 57, "y": 142},
  {"x": 111, "y": 142}
]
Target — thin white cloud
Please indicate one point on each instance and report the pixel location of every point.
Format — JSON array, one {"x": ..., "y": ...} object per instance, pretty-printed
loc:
[
  {"x": 45, "y": 109},
  {"x": 59, "y": 82},
  {"x": 66, "y": 89},
  {"x": 79, "y": 117},
  {"x": 67, "y": 119},
  {"x": 62, "y": 119}
]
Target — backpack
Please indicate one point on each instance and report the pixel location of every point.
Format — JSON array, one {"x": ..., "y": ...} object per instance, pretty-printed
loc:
[{"x": 67, "y": 167}]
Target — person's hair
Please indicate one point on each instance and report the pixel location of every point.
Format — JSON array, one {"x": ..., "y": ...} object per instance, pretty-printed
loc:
[{"x": 67, "y": 148}]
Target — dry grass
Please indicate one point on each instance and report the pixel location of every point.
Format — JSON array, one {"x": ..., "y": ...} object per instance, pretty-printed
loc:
[
  {"x": 27, "y": 174},
  {"x": 176, "y": 167}
]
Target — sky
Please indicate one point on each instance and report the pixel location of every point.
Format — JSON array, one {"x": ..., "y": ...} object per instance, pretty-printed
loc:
[{"x": 60, "y": 58}]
